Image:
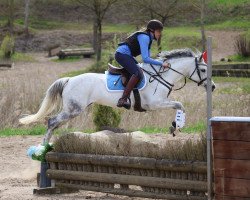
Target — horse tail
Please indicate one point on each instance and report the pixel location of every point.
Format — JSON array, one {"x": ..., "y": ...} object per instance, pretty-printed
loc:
[{"x": 52, "y": 98}]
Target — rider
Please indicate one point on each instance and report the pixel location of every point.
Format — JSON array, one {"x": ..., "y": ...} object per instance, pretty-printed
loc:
[{"x": 138, "y": 43}]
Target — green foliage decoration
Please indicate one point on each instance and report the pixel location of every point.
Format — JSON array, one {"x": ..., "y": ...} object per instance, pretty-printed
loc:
[{"x": 105, "y": 116}]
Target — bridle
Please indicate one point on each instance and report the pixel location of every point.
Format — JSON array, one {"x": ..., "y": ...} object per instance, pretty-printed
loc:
[
  {"x": 158, "y": 76},
  {"x": 197, "y": 64}
]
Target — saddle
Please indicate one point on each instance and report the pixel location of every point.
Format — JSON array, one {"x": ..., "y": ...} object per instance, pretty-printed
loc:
[
  {"x": 125, "y": 76},
  {"x": 119, "y": 71}
]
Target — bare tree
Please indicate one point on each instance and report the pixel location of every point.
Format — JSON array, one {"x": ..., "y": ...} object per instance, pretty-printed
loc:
[
  {"x": 10, "y": 14},
  {"x": 162, "y": 10},
  {"x": 200, "y": 5},
  {"x": 26, "y": 13},
  {"x": 99, "y": 9}
]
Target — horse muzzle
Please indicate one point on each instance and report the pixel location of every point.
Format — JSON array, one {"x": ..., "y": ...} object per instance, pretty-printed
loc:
[{"x": 213, "y": 86}]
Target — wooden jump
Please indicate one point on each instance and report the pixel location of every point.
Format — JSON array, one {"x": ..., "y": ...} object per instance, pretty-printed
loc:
[
  {"x": 231, "y": 155},
  {"x": 85, "y": 52},
  {"x": 119, "y": 175}
]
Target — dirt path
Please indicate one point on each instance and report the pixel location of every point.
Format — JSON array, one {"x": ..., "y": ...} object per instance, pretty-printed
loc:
[
  {"x": 223, "y": 43},
  {"x": 18, "y": 172}
]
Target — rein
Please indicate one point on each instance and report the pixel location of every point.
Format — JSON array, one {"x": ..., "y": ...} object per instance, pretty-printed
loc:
[{"x": 157, "y": 76}]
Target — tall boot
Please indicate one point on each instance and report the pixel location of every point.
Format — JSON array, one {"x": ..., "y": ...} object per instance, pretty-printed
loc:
[{"x": 124, "y": 101}]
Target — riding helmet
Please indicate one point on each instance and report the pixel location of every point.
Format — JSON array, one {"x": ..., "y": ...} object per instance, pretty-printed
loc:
[{"x": 154, "y": 25}]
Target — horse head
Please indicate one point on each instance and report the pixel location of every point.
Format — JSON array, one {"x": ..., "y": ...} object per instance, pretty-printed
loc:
[
  {"x": 193, "y": 65},
  {"x": 199, "y": 72}
]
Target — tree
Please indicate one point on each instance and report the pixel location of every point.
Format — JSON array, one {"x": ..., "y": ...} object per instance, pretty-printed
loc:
[
  {"x": 8, "y": 9},
  {"x": 162, "y": 10},
  {"x": 200, "y": 5},
  {"x": 26, "y": 13},
  {"x": 10, "y": 15},
  {"x": 99, "y": 9}
]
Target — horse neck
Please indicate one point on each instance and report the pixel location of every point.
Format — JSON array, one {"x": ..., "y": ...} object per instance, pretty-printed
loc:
[{"x": 182, "y": 65}]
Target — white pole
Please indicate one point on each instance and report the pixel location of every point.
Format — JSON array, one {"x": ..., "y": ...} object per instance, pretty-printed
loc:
[{"x": 209, "y": 115}]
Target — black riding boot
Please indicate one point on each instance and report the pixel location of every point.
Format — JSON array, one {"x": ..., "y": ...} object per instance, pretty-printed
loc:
[{"x": 124, "y": 101}]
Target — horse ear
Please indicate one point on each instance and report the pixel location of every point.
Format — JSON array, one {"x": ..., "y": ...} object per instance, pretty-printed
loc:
[{"x": 200, "y": 58}]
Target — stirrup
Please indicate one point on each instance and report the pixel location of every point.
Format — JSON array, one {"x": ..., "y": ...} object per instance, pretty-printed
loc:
[{"x": 124, "y": 104}]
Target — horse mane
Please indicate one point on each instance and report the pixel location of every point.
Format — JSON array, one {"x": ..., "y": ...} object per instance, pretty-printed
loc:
[{"x": 176, "y": 53}]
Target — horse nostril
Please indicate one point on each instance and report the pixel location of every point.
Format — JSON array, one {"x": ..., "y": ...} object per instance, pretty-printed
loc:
[{"x": 213, "y": 87}]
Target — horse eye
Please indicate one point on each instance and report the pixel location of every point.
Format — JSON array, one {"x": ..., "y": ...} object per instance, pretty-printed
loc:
[{"x": 203, "y": 70}]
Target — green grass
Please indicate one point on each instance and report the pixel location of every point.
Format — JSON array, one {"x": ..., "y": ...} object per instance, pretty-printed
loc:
[
  {"x": 22, "y": 57},
  {"x": 234, "y": 24},
  {"x": 154, "y": 130},
  {"x": 194, "y": 128},
  {"x": 68, "y": 59},
  {"x": 37, "y": 130},
  {"x": 237, "y": 89},
  {"x": 240, "y": 80},
  {"x": 227, "y": 2},
  {"x": 241, "y": 85},
  {"x": 239, "y": 58},
  {"x": 19, "y": 57}
]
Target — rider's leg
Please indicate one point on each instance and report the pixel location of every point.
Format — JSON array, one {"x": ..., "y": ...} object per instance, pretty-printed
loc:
[
  {"x": 124, "y": 100},
  {"x": 130, "y": 65}
]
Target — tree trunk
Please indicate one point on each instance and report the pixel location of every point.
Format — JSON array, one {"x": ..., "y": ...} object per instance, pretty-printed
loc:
[
  {"x": 95, "y": 27},
  {"x": 203, "y": 35},
  {"x": 99, "y": 41},
  {"x": 10, "y": 22},
  {"x": 26, "y": 23}
]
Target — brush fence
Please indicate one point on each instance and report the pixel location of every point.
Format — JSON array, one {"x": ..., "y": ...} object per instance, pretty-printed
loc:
[{"x": 130, "y": 176}]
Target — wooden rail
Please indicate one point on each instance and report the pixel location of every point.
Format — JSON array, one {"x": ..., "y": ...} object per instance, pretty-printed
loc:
[
  {"x": 119, "y": 175},
  {"x": 9, "y": 65}
]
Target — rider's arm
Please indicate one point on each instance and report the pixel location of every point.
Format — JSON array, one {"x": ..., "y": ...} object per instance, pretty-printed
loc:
[{"x": 144, "y": 42}]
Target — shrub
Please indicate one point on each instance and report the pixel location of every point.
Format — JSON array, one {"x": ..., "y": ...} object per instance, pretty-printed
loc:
[
  {"x": 242, "y": 45},
  {"x": 105, "y": 116},
  {"x": 7, "y": 46}
]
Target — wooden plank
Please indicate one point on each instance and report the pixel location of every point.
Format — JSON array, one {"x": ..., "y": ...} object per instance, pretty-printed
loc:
[
  {"x": 123, "y": 161},
  {"x": 9, "y": 65},
  {"x": 221, "y": 197},
  {"x": 54, "y": 51},
  {"x": 231, "y": 131},
  {"x": 232, "y": 187},
  {"x": 231, "y": 149},
  {"x": 128, "y": 179},
  {"x": 132, "y": 193},
  {"x": 232, "y": 168}
]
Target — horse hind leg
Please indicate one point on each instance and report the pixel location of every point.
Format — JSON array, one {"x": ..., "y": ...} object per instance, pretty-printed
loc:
[{"x": 72, "y": 111}]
